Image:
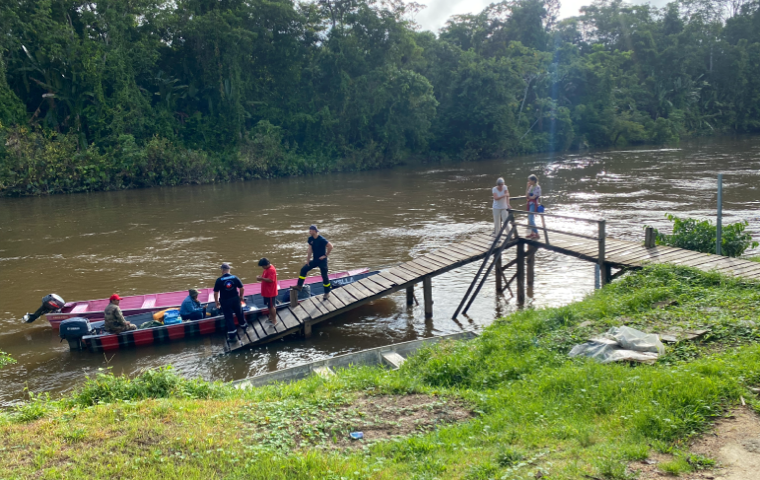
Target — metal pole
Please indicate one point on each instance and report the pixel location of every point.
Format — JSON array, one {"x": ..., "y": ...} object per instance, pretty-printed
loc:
[
  {"x": 602, "y": 239},
  {"x": 719, "y": 229}
]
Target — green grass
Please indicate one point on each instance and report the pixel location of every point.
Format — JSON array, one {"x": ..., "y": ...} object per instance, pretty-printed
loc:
[
  {"x": 754, "y": 259},
  {"x": 535, "y": 410}
]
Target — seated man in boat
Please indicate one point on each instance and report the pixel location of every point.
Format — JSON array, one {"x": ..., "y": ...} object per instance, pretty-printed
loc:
[
  {"x": 114, "y": 321},
  {"x": 191, "y": 308}
]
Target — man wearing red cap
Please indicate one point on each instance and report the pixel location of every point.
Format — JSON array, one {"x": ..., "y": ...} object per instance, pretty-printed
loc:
[{"x": 115, "y": 322}]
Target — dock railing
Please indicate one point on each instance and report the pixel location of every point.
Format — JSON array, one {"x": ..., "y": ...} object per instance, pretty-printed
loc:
[{"x": 601, "y": 231}]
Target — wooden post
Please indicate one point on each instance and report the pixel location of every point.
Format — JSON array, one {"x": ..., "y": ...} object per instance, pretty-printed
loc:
[
  {"x": 306, "y": 330},
  {"x": 410, "y": 295},
  {"x": 601, "y": 260},
  {"x": 719, "y": 223},
  {"x": 531, "y": 269},
  {"x": 521, "y": 274},
  {"x": 499, "y": 274},
  {"x": 649, "y": 238},
  {"x": 427, "y": 290}
]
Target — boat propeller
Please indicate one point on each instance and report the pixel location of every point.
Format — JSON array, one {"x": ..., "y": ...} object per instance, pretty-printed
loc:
[{"x": 50, "y": 303}]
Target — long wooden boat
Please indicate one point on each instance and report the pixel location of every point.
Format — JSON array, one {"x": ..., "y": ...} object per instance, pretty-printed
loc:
[
  {"x": 255, "y": 306},
  {"x": 138, "y": 304}
]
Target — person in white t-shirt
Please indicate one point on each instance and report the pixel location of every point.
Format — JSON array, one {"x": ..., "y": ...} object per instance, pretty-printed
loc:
[{"x": 500, "y": 204}]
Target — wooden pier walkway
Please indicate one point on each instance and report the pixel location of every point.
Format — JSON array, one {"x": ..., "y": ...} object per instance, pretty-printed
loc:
[
  {"x": 628, "y": 254},
  {"x": 344, "y": 298},
  {"x": 606, "y": 252}
]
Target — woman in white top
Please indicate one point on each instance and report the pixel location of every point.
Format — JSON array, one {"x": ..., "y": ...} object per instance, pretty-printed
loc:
[{"x": 500, "y": 204}]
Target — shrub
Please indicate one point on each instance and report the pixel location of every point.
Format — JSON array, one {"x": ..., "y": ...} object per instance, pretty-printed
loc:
[
  {"x": 158, "y": 383},
  {"x": 701, "y": 236},
  {"x": 5, "y": 359}
]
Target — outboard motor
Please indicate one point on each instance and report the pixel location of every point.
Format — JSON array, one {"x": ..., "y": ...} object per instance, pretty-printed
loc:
[
  {"x": 50, "y": 303},
  {"x": 73, "y": 329}
]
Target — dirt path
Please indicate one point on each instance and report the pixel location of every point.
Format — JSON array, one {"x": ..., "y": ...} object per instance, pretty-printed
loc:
[{"x": 734, "y": 443}]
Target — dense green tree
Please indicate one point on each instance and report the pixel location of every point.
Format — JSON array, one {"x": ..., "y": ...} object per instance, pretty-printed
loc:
[{"x": 103, "y": 94}]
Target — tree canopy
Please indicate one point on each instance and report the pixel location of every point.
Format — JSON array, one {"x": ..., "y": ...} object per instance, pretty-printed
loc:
[{"x": 125, "y": 93}]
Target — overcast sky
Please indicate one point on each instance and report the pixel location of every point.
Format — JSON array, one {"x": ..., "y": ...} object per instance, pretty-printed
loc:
[{"x": 438, "y": 11}]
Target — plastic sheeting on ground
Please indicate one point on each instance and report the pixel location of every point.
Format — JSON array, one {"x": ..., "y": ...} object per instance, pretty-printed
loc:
[{"x": 621, "y": 344}]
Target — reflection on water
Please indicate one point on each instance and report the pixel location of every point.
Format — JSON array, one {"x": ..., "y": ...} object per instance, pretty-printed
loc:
[{"x": 91, "y": 245}]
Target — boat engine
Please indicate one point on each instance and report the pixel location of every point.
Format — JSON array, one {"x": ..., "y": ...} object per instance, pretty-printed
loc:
[
  {"x": 73, "y": 329},
  {"x": 50, "y": 303}
]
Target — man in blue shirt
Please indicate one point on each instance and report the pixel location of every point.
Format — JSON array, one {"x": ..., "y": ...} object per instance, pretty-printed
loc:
[
  {"x": 191, "y": 308},
  {"x": 228, "y": 290}
]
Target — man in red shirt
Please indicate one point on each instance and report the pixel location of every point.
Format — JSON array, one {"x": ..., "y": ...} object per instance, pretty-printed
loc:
[{"x": 268, "y": 281}]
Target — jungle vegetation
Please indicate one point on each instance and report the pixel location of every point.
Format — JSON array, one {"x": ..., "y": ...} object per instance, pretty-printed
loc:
[{"x": 108, "y": 94}]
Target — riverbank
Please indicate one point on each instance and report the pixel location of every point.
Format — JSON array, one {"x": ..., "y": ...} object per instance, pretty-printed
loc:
[{"x": 509, "y": 404}]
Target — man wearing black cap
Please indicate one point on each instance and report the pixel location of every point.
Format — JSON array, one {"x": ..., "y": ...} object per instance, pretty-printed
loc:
[
  {"x": 227, "y": 298},
  {"x": 320, "y": 249}
]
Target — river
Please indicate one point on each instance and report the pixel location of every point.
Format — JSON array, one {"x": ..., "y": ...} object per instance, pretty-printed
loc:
[{"x": 87, "y": 246}]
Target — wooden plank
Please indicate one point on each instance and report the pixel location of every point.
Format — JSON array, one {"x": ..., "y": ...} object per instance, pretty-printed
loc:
[
  {"x": 389, "y": 276},
  {"x": 466, "y": 251},
  {"x": 250, "y": 330},
  {"x": 335, "y": 302},
  {"x": 321, "y": 305},
  {"x": 300, "y": 313},
  {"x": 288, "y": 319},
  {"x": 358, "y": 291},
  {"x": 383, "y": 282},
  {"x": 426, "y": 268},
  {"x": 311, "y": 308},
  {"x": 434, "y": 262},
  {"x": 413, "y": 269},
  {"x": 664, "y": 257},
  {"x": 344, "y": 297},
  {"x": 400, "y": 273},
  {"x": 425, "y": 262},
  {"x": 368, "y": 286},
  {"x": 695, "y": 261},
  {"x": 453, "y": 253},
  {"x": 447, "y": 260}
]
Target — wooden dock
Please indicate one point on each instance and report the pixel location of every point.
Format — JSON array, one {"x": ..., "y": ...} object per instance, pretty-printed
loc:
[
  {"x": 344, "y": 298},
  {"x": 607, "y": 253},
  {"x": 627, "y": 254}
]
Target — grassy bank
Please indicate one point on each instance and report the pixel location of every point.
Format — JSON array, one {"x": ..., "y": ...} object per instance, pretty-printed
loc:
[{"x": 509, "y": 404}]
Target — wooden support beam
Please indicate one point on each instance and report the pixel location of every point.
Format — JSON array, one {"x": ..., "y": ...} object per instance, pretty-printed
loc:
[
  {"x": 521, "y": 274},
  {"x": 531, "y": 270},
  {"x": 603, "y": 267},
  {"x": 649, "y": 238},
  {"x": 499, "y": 274},
  {"x": 410, "y": 295},
  {"x": 306, "y": 330},
  {"x": 427, "y": 290}
]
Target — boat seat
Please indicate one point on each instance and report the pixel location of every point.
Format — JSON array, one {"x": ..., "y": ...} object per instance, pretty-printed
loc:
[
  {"x": 149, "y": 302},
  {"x": 80, "y": 308}
]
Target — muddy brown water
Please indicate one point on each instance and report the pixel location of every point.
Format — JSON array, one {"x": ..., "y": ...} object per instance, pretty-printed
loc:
[{"x": 88, "y": 246}]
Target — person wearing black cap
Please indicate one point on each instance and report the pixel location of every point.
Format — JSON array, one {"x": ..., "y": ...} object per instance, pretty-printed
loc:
[
  {"x": 227, "y": 298},
  {"x": 319, "y": 249}
]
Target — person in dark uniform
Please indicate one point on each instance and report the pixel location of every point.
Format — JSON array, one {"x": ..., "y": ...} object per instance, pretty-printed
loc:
[
  {"x": 228, "y": 290},
  {"x": 319, "y": 249}
]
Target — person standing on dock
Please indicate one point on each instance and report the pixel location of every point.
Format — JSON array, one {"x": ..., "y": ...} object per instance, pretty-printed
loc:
[
  {"x": 268, "y": 281},
  {"x": 114, "y": 319},
  {"x": 533, "y": 196},
  {"x": 320, "y": 249},
  {"x": 228, "y": 290},
  {"x": 500, "y": 204}
]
